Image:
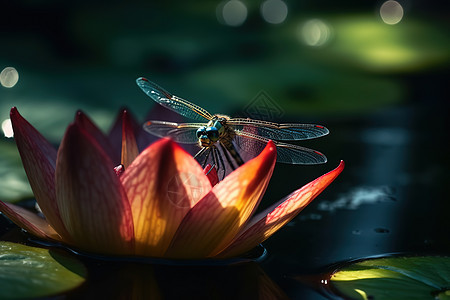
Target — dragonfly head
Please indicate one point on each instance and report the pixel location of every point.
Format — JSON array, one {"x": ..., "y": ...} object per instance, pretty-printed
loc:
[{"x": 207, "y": 136}]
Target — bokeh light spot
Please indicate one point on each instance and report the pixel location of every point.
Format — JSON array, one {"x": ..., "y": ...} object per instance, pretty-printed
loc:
[
  {"x": 7, "y": 128},
  {"x": 232, "y": 13},
  {"x": 391, "y": 12},
  {"x": 315, "y": 32},
  {"x": 9, "y": 77},
  {"x": 274, "y": 11}
]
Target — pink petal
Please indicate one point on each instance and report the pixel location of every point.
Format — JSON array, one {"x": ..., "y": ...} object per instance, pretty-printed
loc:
[
  {"x": 162, "y": 184},
  {"x": 39, "y": 161},
  {"x": 263, "y": 225},
  {"x": 89, "y": 127},
  {"x": 115, "y": 133},
  {"x": 29, "y": 221},
  {"x": 129, "y": 147},
  {"x": 92, "y": 202},
  {"x": 211, "y": 225}
]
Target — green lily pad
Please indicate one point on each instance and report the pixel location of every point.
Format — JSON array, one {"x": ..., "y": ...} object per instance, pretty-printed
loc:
[
  {"x": 395, "y": 278},
  {"x": 14, "y": 184},
  {"x": 29, "y": 272}
]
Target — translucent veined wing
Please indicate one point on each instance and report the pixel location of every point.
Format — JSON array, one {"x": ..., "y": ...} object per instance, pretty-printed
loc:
[
  {"x": 172, "y": 102},
  {"x": 281, "y": 132},
  {"x": 181, "y": 133},
  {"x": 286, "y": 153}
]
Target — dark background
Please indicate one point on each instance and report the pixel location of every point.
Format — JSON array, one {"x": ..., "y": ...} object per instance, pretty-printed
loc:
[{"x": 382, "y": 90}]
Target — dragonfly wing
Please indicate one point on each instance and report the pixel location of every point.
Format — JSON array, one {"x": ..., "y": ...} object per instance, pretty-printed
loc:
[
  {"x": 286, "y": 153},
  {"x": 181, "y": 133},
  {"x": 275, "y": 131},
  {"x": 172, "y": 102}
]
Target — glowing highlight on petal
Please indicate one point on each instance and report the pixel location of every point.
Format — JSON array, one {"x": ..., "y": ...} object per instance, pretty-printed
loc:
[
  {"x": 269, "y": 221},
  {"x": 92, "y": 202},
  {"x": 162, "y": 183},
  {"x": 210, "y": 225}
]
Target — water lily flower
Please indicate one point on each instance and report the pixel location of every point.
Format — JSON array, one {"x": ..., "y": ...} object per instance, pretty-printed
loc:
[{"x": 157, "y": 202}]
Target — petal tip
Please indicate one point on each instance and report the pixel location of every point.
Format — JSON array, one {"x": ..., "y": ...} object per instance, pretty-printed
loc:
[
  {"x": 79, "y": 115},
  {"x": 270, "y": 151},
  {"x": 13, "y": 111},
  {"x": 14, "y": 114}
]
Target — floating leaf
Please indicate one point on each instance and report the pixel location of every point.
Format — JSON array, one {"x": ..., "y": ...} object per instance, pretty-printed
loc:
[
  {"x": 395, "y": 278},
  {"x": 29, "y": 272}
]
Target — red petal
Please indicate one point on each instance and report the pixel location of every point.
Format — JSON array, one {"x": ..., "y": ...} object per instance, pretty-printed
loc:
[
  {"x": 115, "y": 133},
  {"x": 162, "y": 184},
  {"x": 92, "y": 202},
  {"x": 39, "y": 160},
  {"x": 84, "y": 122},
  {"x": 211, "y": 173},
  {"x": 269, "y": 221},
  {"x": 29, "y": 221},
  {"x": 129, "y": 147},
  {"x": 211, "y": 225}
]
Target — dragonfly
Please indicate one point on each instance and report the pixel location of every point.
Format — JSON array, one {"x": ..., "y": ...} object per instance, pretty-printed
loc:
[{"x": 219, "y": 136}]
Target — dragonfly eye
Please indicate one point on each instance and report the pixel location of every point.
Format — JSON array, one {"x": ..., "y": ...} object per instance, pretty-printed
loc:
[
  {"x": 212, "y": 133},
  {"x": 201, "y": 131}
]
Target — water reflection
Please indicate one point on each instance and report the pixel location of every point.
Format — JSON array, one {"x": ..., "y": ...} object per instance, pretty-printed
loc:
[
  {"x": 143, "y": 281},
  {"x": 356, "y": 197}
]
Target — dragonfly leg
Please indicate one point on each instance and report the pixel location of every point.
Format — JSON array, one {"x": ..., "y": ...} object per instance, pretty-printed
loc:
[
  {"x": 206, "y": 158},
  {"x": 200, "y": 152},
  {"x": 214, "y": 155},
  {"x": 220, "y": 161},
  {"x": 209, "y": 149}
]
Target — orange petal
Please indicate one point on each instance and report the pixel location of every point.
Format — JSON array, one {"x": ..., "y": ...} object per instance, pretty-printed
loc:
[
  {"x": 211, "y": 225},
  {"x": 82, "y": 120},
  {"x": 263, "y": 225},
  {"x": 162, "y": 184},
  {"x": 129, "y": 147},
  {"x": 115, "y": 133},
  {"x": 39, "y": 160},
  {"x": 29, "y": 221},
  {"x": 92, "y": 202}
]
